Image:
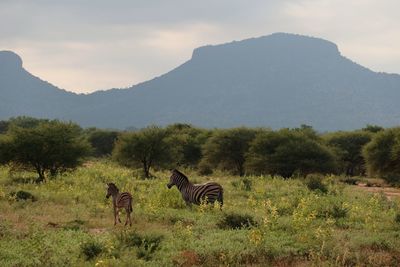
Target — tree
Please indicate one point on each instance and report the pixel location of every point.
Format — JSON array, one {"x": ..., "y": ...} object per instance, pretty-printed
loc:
[
  {"x": 382, "y": 154},
  {"x": 102, "y": 141},
  {"x": 25, "y": 122},
  {"x": 49, "y": 147},
  {"x": 348, "y": 147},
  {"x": 3, "y": 126},
  {"x": 372, "y": 128},
  {"x": 145, "y": 148},
  {"x": 186, "y": 142},
  {"x": 287, "y": 152},
  {"x": 227, "y": 148}
]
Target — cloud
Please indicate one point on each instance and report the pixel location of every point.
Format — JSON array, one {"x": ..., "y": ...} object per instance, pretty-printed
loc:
[{"x": 84, "y": 45}]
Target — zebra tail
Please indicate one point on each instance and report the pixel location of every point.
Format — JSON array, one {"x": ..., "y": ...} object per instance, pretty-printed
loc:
[{"x": 130, "y": 206}]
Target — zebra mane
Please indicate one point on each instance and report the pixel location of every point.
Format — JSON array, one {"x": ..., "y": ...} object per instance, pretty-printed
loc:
[
  {"x": 112, "y": 185},
  {"x": 180, "y": 174}
]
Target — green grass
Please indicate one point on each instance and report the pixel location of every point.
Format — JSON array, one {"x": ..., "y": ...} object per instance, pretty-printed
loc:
[{"x": 264, "y": 221}]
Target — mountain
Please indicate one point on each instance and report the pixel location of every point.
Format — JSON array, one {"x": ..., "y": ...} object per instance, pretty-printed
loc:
[
  {"x": 24, "y": 94},
  {"x": 280, "y": 80}
]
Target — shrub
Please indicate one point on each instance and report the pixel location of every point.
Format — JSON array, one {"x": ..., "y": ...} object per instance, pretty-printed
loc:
[
  {"x": 91, "y": 249},
  {"x": 236, "y": 221},
  {"x": 288, "y": 152},
  {"x": 314, "y": 182},
  {"x": 23, "y": 195},
  {"x": 146, "y": 244},
  {"x": 338, "y": 211}
]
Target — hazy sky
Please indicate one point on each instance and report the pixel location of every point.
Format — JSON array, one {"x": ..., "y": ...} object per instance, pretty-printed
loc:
[{"x": 87, "y": 45}]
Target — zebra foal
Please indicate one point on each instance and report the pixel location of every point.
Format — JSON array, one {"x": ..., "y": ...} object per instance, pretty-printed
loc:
[
  {"x": 120, "y": 201},
  {"x": 196, "y": 193}
]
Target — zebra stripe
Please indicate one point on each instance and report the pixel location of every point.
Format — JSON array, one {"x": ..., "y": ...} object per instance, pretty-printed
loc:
[
  {"x": 120, "y": 201},
  {"x": 196, "y": 193}
]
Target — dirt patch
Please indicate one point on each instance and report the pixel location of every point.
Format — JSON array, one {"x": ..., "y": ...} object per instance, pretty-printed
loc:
[{"x": 390, "y": 192}]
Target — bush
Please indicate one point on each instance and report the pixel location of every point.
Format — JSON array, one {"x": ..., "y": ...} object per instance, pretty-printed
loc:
[
  {"x": 314, "y": 182},
  {"x": 338, "y": 211},
  {"x": 236, "y": 221},
  {"x": 91, "y": 249},
  {"x": 288, "y": 152},
  {"x": 146, "y": 244},
  {"x": 23, "y": 195}
]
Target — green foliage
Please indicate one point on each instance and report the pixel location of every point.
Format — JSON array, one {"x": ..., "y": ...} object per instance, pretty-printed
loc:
[
  {"x": 145, "y": 148},
  {"x": 25, "y": 122},
  {"x": 372, "y": 128},
  {"x": 48, "y": 147},
  {"x": 236, "y": 221},
  {"x": 186, "y": 142},
  {"x": 102, "y": 141},
  {"x": 227, "y": 148},
  {"x": 244, "y": 184},
  {"x": 288, "y": 152},
  {"x": 3, "y": 126},
  {"x": 348, "y": 147},
  {"x": 147, "y": 244},
  {"x": 382, "y": 155},
  {"x": 315, "y": 182},
  {"x": 91, "y": 249},
  {"x": 278, "y": 221}
]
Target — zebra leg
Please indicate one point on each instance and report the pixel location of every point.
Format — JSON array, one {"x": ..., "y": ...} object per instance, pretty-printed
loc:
[
  {"x": 119, "y": 219},
  {"x": 115, "y": 217},
  {"x": 129, "y": 213},
  {"x": 127, "y": 216}
]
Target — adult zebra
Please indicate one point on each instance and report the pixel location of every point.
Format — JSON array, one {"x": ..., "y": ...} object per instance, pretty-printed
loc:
[
  {"x": 120, "y": 201},
  {"x": 196, "y": 193}
]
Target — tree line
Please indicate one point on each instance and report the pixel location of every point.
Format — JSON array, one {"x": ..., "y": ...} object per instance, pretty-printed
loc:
[{"x": 50, "y": 147}]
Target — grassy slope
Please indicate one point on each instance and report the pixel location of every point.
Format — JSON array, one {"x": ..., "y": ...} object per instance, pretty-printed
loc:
[{"x": 295, "y": 226}]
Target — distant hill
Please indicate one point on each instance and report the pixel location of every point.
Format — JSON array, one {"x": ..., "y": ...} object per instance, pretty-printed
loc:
[{"x": 280, "y": 80}]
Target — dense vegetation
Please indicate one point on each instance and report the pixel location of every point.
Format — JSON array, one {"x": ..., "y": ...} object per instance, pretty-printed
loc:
[
  {"x": 319, "y": 221},
  {"x": 315, "y": 217}
]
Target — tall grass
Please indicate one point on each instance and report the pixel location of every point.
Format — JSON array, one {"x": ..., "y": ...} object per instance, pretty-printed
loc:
[{"x": 264, "y": 220}]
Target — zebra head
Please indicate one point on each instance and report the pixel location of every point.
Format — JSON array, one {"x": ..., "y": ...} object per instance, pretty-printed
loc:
[
  {"x": 177, "y": 178},
  {"x": 111, "y": 190}
]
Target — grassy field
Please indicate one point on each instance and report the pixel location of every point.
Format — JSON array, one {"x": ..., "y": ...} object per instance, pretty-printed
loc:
[{"x": 264, "y": 221}]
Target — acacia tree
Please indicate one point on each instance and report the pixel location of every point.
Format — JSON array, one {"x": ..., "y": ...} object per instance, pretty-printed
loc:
[
  {"x": 186, "y": 142},
  {"x": 227, "y": 148},
  {"x": 102, "y": 141},
  {"x": 382, "y": 154},
  {"x": 50, "y": 147},
  {"x": 348, "y": 147},
  {"x": 145, "y": 148},
  {"x": 287, "y": 152}
]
